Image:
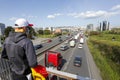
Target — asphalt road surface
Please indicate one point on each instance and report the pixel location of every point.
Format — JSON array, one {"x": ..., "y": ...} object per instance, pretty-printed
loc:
[
  {"x": 67, "y": 63},
  {"x": 88, "y": 67},
  {"x": 47, "y": 45}
]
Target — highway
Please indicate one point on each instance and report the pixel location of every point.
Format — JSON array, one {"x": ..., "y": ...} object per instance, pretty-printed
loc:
[
  {"x": 83, "y": 69},
  {"x": 48, "y": 45},
  {"x": 67, "y": 61},
  {"x": 88, "y": 68}
]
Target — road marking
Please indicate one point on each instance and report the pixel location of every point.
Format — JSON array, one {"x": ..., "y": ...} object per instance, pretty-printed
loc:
[
  {"x": 87, "y": 61},
  {"x": 53, "y": 49},
  {"x": 40, "y": 57},
  {"x": 87, "y": 58},
  {"x": 66, "y": 65}
]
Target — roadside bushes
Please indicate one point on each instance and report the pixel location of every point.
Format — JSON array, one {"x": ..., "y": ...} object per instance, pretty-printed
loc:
[
  {"x": 107, "y": 71},
  {"x": 115, "y": 31},
  {"x": 109, "y": 49},
  {"x": 57, "y": 34},
  {"x": 94, "y": 33},
  {"x": 116, "y": 54}
]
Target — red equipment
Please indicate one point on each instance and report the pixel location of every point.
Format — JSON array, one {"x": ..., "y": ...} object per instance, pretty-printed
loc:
[{"x": 41, "y": 70}]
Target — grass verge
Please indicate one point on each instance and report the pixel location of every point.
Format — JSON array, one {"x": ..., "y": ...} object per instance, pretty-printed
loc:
[{"x": 106, "y": 70}]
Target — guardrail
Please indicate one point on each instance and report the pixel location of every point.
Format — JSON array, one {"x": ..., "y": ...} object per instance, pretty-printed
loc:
[{"x": 45, "y": 49}]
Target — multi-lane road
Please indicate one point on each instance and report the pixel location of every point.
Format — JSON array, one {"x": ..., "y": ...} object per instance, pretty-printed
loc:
[{"x": 88, "y": 68}]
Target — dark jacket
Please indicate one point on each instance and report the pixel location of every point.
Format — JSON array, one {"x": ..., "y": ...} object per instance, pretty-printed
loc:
[{"x": 20, "y": 51}]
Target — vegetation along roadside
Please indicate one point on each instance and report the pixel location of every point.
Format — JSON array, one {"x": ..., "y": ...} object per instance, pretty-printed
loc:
[{"x": 106, "y": 54}]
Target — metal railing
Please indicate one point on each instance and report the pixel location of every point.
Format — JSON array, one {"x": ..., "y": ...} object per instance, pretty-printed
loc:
[
  {"x": 5, "y": 71},
  {"x": 66, "y": 75}
]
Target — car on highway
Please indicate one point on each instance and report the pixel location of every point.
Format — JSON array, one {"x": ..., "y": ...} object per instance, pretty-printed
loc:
[
  {"x": 66, "y": 42},
  {"x": 64, "y": 47},
  {"x": 38, "y": 46},
  {"x": 72, "y": 43},
  {"x": 77, "y": 61},
  {"x": 80, "y": 46},
  {"x": 49, "y": 40},
  {"x": 81, "y": 40},
  {"x": 67, "y": 36},
  {"x": 60, "y": 39}
]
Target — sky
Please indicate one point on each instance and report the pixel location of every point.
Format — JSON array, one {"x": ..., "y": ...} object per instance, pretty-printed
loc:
[{"x": 46, "y": 13}]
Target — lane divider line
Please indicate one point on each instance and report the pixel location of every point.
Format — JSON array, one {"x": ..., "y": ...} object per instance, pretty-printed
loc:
[{"x": 66, "y": 65}]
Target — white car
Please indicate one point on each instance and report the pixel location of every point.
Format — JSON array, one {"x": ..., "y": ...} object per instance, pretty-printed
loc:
[
  {"x": 80, "y": 46},
  {"x": 66, "y": 42}
]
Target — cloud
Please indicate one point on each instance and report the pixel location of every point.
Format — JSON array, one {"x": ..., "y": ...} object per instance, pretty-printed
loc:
[
  {"x": 30, "y": 16},
  {"x": 112, "y": 14},
  {"x": 58, "y": 14},
  {"x": 88, "y": 14},
  {"x": 54, "y": 15},
  {"x": 13, "y": 18},
  {"x": 72, "y": 14},
  {"x": 50, "y": 16},
  {"x": 92, "y": 14},
  {"x": 117, "y": 7}
]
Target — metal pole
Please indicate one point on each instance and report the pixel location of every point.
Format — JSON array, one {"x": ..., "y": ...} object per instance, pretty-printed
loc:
[{"x": 0, "y": 41}]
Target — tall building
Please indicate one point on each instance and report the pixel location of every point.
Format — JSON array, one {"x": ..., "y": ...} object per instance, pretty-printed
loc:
[
  {"x": 2, "y": 28},
  {"x": 104, "y": 25},
  {"x": 100, "y": 27},
  {"x": 90, "y": 27},
  {"x": 108, "y": 26}
]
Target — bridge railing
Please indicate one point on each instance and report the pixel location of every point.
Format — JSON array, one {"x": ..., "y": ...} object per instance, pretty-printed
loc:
[
  {"x": 65, "y": 75},
  {"x": 5, "y": 70}
]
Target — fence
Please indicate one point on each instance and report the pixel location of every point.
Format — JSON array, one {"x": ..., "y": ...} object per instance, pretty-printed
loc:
[{"x": 5, "y": 71}]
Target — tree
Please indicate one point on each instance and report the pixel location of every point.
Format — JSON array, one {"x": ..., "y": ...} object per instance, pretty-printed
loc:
[
  {"x": 58, "y": 34},
  {"x": 31, "y": 33},
  {"x": 47, "y": 32},
  {"x": 7, "y": 30},
  {"x": 40, "y": 31}
]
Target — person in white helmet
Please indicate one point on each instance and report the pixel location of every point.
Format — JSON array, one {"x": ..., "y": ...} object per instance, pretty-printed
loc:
[{"x": 20, "y": 51}]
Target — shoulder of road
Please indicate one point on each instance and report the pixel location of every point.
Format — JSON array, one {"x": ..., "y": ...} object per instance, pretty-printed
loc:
[{"x": 39, "y": 40}]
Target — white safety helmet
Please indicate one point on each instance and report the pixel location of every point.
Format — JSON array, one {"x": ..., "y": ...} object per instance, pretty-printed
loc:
[{"x": 22, "y": 23}]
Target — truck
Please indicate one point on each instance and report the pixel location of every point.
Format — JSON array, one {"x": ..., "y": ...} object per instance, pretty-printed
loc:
[
  {"x": 75, "y": 37},
  {"x": 53, "y": 59},
  {"x": 42, "y": 72},
  {"x": 81, "y": 40},
  {"x": 72, "y": 43}
]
